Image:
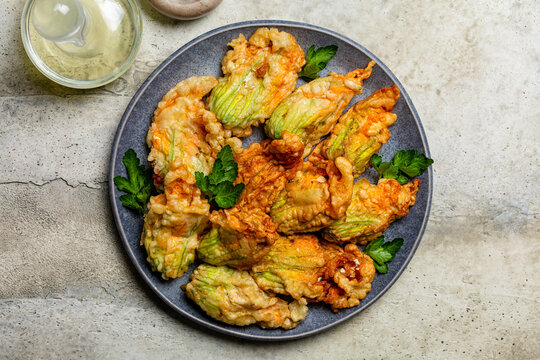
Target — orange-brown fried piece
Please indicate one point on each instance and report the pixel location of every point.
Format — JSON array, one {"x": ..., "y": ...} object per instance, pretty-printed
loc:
[
  {"x": 373, "y": 208},
  {"x": 363, "y": 129},
  {"x": 258, "y": 74},
  {"x": 184, "y": 138},
  {"x": 241, "y": 236},
  {"x": 265, "y": 168},
  {"x": 317, "y": 196},
  {"x": 233, "y": 297},
  {"x": 312, "y": 110},
  {"x": 238, "y": 237},
  {"x": 183, "y": 132},
  {"x": 173, "y": 223},
  {"x": 302, "y": 267}
]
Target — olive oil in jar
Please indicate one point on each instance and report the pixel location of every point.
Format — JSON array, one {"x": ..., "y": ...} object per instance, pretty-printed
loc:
[{"x": 82, "y": 39}]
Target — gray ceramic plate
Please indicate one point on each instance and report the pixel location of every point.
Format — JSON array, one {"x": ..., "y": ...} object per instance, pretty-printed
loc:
[{"x": 202, "y": 56}]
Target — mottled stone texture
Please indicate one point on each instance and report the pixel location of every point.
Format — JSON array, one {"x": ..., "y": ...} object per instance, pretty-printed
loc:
[{"x": 68, "y": 290}]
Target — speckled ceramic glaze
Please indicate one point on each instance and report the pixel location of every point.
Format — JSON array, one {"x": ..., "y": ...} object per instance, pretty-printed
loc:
[{"x": 202, "y": 56}]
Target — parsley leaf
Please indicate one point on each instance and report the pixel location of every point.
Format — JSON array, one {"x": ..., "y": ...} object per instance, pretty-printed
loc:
[
  {"x": 316, "y": 61},
  {"x": 225, "y": 168},
  {"x": 381, "y": 252},
  {"x": 218, "y": 185},
  {"x": 228, "y": 194},
  {"x": 202, "y": 182},
  {"x": 130, "y": 201},
  {"x": 138, "y": 184},
  {"x": 405, "y": 165}
]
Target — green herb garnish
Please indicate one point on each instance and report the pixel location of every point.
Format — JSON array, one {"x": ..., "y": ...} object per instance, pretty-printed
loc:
[
  {"x": 316, "y": 61},
  {"x": 383, "y": 253},
  {"x": 405, "y": 165},
  {"x": 218, "y": 186},
  {"x": 138, "y": 184}
]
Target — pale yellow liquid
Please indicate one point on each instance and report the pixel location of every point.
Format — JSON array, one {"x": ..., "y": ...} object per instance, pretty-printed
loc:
[
  {"x": 109, "y": 38},
  {"x": 55, "y": 18}
]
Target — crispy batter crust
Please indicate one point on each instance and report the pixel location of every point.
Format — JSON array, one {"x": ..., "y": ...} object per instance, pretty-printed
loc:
[
  {"x": 312, "y": 110},
  {"x": 258, "y": 74},
  {"x": 265, "y": 168},
  {"x": 245, "y": 232},
  {"x": 363, "y": 129},
  {"x": 301, "y": 266},
  {"x": 317, "y": 196},
  {"x": 373, "y": 208},
  {"x": 232, "y": 296},
  {"x": 184, "y": 138}
]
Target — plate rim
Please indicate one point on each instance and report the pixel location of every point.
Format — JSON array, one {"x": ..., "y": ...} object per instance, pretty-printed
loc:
[{"x": 138, "y": 95}]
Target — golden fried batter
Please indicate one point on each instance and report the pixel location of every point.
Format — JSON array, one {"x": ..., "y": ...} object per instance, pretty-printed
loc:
[
  {"x": 241, "y": 235},
  {"x": 232, "y": 296},
  {"x": 172, "y": 225},
  {"x": 293, "y": 267},
  {"x": 317, "y": 196},
  {"x": 183, "y": 132},
  {"x": 258, "y": 74},
  {"x": 363, "y": 129},
  {"x": 265, "y": 168},
  {"x": 170, "y": 248},
  {"x": 301, "y": 266},
  {"x": 312, "y": 109},
  {"x": 373, "y": 208},
  {"x": 184, "y": 138},
  {"x": 238, "y": 237}
]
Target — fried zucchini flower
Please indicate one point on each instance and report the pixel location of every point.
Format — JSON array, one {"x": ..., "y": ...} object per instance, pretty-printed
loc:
[
  {"x": 184, "y": 133},
  {"x": 363, "y": 129},
  {"x": 373, "y": 208},
  {"x": 258, "y": 74},
  {"x": 184, "y": 138},
  {"x": 232, "y": 296},
  {"x": 265, "y": 168},
  {"x": 241, "y": 235},
  {"x": 168, "y": 252},
  {"x": 172, "y": 224},
  {"x": 302, "y": 267},
  {"x": 317, "y": 196},
  {"x": 312, "y": 109},
  {"x": 238, "y": 238}
]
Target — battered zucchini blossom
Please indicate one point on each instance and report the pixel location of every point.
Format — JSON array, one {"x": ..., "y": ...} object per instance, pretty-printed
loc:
[
  {"x": 232, "y": 296},
  {"x": 184, "y": 138},
  {"x": 312, "y": 110},
  {"x": 301, "y": 266},
  {"x": 373, "y": 208},
  {"x": 363, "y": 129},
  {"x": 184, "y": 133},
  {"x": 317, "y": 196},
  {"x": 172, "y": 225},
  {"x": 237, "y": 238},
  {"x": 258, "y": 74}
]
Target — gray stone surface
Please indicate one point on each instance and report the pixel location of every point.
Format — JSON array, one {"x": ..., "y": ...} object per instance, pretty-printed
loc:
[{"x": 67, "y": 288}]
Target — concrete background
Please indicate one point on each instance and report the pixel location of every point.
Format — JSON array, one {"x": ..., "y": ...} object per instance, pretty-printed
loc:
[{"x": 472, "y": 68}]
